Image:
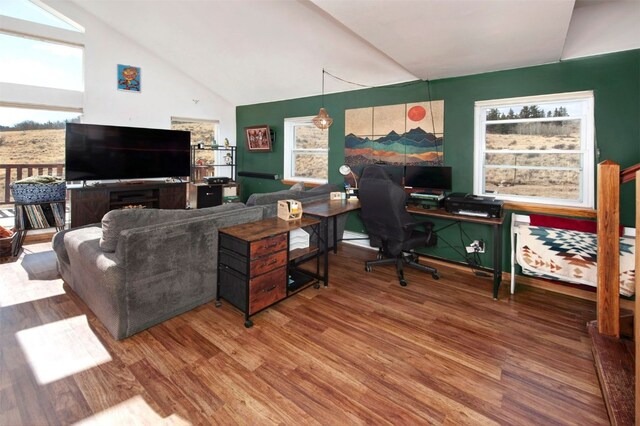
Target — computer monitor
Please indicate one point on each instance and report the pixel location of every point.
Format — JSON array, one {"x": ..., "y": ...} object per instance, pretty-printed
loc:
[{"x": 435, "y": 179}]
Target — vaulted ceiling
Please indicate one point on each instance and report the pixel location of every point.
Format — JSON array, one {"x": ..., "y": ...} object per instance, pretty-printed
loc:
[{"x": 253, "y": 51}]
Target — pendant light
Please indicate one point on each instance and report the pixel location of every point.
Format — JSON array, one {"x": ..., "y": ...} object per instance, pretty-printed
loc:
[{"x": 322, "y": 120}]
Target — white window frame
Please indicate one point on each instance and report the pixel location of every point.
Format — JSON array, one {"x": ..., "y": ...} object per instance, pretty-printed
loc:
[
  {"x": 586, "y": 150},
  {"x": 289, "y": 141},
  {"x": 29, "y": 96}
]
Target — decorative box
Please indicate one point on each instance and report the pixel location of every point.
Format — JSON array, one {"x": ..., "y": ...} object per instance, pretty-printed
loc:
[{"x": 289, "y": 209}]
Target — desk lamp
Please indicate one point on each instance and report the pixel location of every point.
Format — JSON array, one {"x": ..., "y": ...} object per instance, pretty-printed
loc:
[{"x": 345, "y": 170}]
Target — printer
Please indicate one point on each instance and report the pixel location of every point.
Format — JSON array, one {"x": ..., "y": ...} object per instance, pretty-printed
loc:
[{"x": 473, "y": 205}]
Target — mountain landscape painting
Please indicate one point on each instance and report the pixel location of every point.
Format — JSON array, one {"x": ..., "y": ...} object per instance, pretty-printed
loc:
[{"x": 395, "y": 135}]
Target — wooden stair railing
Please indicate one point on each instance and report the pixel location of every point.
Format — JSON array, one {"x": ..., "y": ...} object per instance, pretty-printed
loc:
[
  {"x": 629, "y": 174},
  {"x": 636, "y": 326},
  {"x": 609, "y": 180},
  {"x": 608, "y": 290},
  {"x": 615, "y": 358}
]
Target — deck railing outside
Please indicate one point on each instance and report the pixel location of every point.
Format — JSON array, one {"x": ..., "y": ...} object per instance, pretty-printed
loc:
[{"x": 13, "y": 172}]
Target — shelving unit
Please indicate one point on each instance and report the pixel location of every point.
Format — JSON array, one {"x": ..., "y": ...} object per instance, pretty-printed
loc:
[
  {"x": 223, "y": 159},
  {"x": 213, "y": 157},
  {"x": 37, "y": 216}
]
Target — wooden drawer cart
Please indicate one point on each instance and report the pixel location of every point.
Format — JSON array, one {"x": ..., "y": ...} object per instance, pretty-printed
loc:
[{"x": 256, "y": 269}]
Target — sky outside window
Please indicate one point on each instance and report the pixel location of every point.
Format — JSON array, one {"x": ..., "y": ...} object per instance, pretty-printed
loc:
[
  {"x": 26, "y": 10},
  {"x": 12, "y": 116},
  {"x": 24, "y": 59}
]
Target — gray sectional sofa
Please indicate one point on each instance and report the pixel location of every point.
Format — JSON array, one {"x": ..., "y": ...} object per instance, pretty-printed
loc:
[{"x": 139, "y": 267}]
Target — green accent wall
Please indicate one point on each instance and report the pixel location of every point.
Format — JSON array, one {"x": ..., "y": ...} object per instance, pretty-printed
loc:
[{"x": 614, "y": 79}]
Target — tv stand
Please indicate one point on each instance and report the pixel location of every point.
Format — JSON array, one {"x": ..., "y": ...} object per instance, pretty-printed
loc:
[{"x": 90, "y": 203}]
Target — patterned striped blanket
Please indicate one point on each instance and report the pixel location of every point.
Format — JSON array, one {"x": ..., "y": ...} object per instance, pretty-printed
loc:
[{"x": 571, "y": 256}]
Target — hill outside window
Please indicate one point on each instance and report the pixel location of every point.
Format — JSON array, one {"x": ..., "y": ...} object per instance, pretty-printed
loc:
[
  {"x": 537, "y": 149},
  {"x": 306, "y": 153}
]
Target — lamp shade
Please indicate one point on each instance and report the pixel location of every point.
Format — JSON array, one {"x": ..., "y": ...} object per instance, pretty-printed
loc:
[
  {"x": 344, "y": 170},
  {"x": 322, "y": 120}
]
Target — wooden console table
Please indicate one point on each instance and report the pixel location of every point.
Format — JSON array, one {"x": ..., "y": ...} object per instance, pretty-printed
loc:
[
  {"x": 90, "y": 203},
  {"x": 256, "y": 269}
]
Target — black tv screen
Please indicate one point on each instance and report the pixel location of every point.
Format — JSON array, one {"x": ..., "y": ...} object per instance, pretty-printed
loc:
[
  {"x": 97, "y": 152},
  {"x": 433, "y": 178}
]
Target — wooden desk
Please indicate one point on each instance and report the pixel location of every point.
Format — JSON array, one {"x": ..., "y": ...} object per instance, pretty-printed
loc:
[
  {"x": 256, "y": 269},
  {"x": 497, "y": 235},
  {"x": 325, "y": 210}
]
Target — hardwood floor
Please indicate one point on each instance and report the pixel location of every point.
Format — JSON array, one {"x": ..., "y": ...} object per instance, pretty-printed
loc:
[{"x": 364, "y": 350}]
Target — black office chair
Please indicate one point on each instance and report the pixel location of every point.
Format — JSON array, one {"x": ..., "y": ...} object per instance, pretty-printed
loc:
[{"x": 389, "y": 226}]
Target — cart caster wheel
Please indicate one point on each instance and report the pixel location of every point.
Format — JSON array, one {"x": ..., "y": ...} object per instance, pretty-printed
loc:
[
  {"x": 403, "y": 283},
  {"x": 248, "y": 324},
  {"x": 379, "y": 256},
  {"x": 435, "y": 276},
  {"x": 316, "y": 286},
  {"x": 218, "y": 303},
  {"x": 367, "y": 268}
]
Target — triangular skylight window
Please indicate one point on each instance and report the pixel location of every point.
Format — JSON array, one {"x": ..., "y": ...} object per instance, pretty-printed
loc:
[{"x": 29, "y": 11}]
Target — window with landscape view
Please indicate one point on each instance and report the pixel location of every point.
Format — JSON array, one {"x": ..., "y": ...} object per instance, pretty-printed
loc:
[
  {"x": 537, "y": 149},
  {"x": 32, "y": 140},
  {"x": 306, "y": 153},
  {"x": 45, "y": 70},
  {"x": 202, "y": 132}
]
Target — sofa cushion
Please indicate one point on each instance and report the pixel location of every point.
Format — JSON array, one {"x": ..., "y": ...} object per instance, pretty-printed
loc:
[
  {"x": 261, "y": 199},
  {"x": 116, "y": 221}
]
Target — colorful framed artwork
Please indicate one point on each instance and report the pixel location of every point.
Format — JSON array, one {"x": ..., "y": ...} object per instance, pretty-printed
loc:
[
  {"x": 403, "y": 134},
  {"x": 258, "y": 138},
  {"x": 128, "y": 78}
]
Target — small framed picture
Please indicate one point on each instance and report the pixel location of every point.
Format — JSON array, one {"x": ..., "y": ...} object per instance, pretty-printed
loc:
[
  {"x": 258, "y": 138},
  {"x": 128, "y": 78}
]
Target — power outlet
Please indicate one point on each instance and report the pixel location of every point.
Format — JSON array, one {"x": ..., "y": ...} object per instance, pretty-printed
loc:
[{"x": 477, "y": 246}]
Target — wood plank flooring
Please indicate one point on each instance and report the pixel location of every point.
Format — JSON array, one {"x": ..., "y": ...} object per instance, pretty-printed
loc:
[{"x": 363, "y": 351}]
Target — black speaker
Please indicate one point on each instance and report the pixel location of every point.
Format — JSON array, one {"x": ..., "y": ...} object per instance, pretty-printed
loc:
[{"x": 202, "y": 195}]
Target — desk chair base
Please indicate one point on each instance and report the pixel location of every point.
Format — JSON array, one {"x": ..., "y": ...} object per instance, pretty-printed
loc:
[{"x": 405, "y": 258}]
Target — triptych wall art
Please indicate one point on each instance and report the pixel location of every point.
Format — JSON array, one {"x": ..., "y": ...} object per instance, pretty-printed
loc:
[{"x": 403, "y": 134}]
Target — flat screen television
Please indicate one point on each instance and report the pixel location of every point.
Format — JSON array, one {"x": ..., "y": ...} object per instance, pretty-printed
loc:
[
  {"x": 97, "y": 152},
  {"x": 434, "y": 179}
]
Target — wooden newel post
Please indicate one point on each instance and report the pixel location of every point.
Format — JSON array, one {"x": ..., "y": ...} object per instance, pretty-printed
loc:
[
  {"x": 609, "y": 248},
  {"x": 636, "y": 326}
]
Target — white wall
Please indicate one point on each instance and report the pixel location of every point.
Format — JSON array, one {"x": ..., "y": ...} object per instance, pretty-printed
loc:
[{"x": 165, "y": 91}]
